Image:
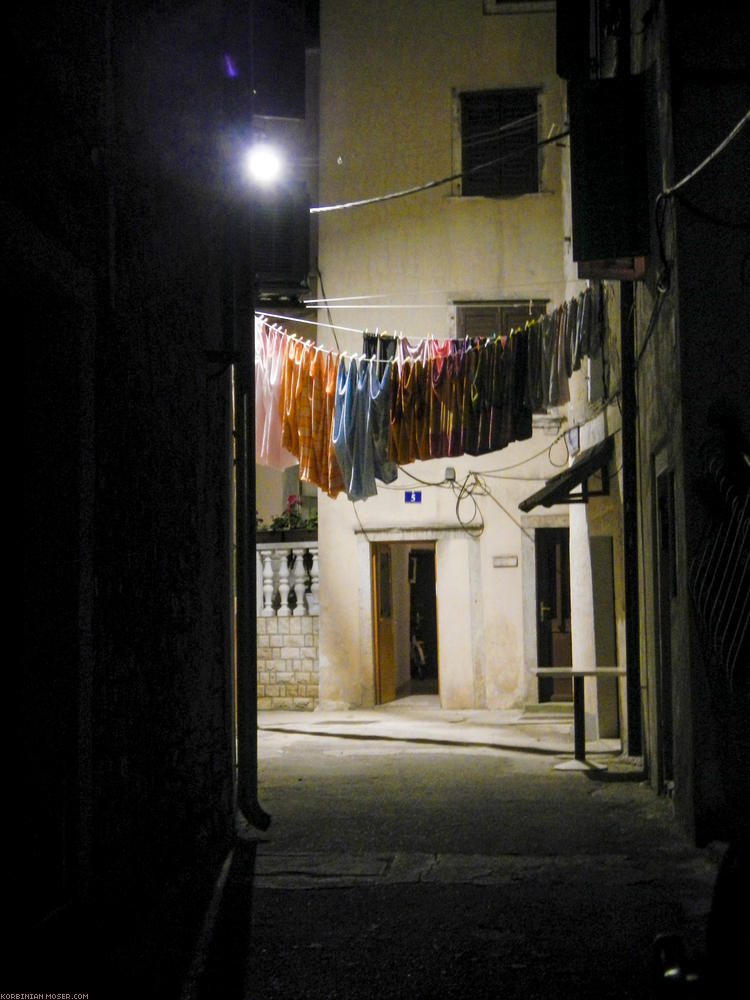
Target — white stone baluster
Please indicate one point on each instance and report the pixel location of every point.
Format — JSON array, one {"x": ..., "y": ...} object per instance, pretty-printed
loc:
[
  {"x": 267, "y": 555},
  {"x": 313, "y": 598},
  {"x": 299, "y": 582},
  {"x": 283, "y": 565}
]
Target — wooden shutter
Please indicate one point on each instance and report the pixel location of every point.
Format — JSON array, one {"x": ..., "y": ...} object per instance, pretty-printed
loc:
[
  {"x": 497, "y": 160},
  {"x": 490, "y": 319}
]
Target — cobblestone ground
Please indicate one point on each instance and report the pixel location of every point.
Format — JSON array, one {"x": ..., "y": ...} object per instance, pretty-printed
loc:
[{"x": 397, "y": 869}]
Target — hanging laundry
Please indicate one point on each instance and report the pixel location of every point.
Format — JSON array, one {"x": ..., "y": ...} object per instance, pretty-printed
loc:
[
  {"x": 324, "y": 408},
  {"x": 361, "y": 428},
  {"x": 468, "y": 401},
  {"x": 351, "y": 421},
  {"x": 270, "y": 345},
  {"x": 593, "y": 346},
  {"x": 521, "y": 427},
  {"x": 379, "y": 423},
  {"x": 344, "y": 417},
  {"x": 559, "y": 393},
  {"x": 450, "y": 421},
  {"x": 536, "y": 394},
  {"x": 296, "y": 358},
  {"x": 581, "y": 334},
  {"x": 408, "y": 408},
  {"x": 500, "y": 413},
  {"x": 438, "y": 386},
  {"x": 571, "y": 325}
]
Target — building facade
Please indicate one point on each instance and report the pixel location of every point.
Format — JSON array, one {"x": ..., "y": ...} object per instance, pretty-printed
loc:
[
  {"x": 484, "y": 248},
  {"x": 627, "y": 518}
]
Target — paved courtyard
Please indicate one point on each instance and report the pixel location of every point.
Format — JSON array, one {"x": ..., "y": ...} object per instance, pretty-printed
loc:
[{"x": 417, "y": 853}]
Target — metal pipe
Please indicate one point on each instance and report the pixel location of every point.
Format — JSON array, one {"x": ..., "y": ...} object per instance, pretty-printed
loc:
[
  {"x": 247, "y": 680},
  {"x": 579, "y": 719},
  {"x": 630, "y": 518}
]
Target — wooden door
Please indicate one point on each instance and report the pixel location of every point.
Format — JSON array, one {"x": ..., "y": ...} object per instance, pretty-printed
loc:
[
  {"x": 554, "y": 641},
  {"x": 382, "y": 590}
]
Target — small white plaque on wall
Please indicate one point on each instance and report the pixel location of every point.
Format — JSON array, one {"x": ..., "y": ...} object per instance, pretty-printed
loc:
[{"x": 504, "y": 562}]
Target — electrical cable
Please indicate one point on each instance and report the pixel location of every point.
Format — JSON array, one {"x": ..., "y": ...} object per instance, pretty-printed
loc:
[
  {"x": 328, "y": 308},
  {"x": 507, "y": 513},
  {"x": 711, "y": 156},
  {"x": 663, "y": 279},
  {"x": 519, "y": 126},
  {"x": 467, "y": 493},
  {"x": 485, "y": 292},
  {"x": 525, "y": 461},
  {"x": 359, "y": 519},
  {"x": 432, "y": 184},
  {"x": 423, "y": 482}
]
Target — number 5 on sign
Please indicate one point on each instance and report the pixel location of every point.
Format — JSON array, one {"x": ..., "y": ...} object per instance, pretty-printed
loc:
[{"x": 413, "y": 496}]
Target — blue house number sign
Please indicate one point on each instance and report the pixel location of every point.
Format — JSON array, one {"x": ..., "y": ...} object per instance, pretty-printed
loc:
[{"x": 413, "y": 496}]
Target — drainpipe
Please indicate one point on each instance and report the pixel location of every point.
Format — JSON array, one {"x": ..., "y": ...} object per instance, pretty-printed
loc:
[
  {"x": 629, "y": 465},
  {"x": 630, "y": 518},
  {"x": 246, "y": 679},
  {"x": 239, "y": 325}
]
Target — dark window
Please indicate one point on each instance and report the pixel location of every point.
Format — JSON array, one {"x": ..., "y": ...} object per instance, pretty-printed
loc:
[
  {"x": 499, "y": 142},
  {"x": 490, "y": 319}
]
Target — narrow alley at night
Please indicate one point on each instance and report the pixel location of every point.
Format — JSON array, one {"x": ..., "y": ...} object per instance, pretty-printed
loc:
[
  {"x": 419, "y": 853},
  {"x": 387, "y": 498}
]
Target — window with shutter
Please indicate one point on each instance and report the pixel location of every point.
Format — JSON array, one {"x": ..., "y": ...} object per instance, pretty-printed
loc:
[
  {"x": 490, "y": 319},
  {"x": 499, "y": 154}
]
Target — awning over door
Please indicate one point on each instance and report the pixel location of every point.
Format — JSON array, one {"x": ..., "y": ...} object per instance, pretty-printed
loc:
[{"x": 560, "y": 488}]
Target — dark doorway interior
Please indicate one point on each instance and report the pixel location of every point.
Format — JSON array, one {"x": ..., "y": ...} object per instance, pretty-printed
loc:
[
  {"x": 423, "y": 622},
  {"x": 554, "y": 641}
]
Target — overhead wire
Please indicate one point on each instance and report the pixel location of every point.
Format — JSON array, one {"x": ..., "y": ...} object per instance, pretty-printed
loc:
[
  {"x": 519, "y": 293},
  {"x": 417, "y": 188},
  {"x": 328, "y": 308},
  {"x": 666, "y": 193},
  {"x": 308, "y": 322},
  {"x": 711, "y": 156},
  {"x": 519, "y": 126}
]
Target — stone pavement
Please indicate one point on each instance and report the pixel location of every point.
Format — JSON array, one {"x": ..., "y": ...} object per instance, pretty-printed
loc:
[{"x": 415, "y": 852}]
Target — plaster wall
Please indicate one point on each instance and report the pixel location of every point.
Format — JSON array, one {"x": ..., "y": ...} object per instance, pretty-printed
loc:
[
  {"x": 388, "y": 123},
  {"x": 479, "y": 580},
  {"x": 389, "y": 85}
]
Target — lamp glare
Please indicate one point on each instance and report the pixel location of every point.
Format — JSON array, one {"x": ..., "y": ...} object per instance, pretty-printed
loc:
[{"x": 263, "y": 164}]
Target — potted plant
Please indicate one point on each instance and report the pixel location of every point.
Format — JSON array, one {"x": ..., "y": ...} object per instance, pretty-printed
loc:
[
  {"x": 264, "y": 532},
  {"x": 293, "y": 524}
]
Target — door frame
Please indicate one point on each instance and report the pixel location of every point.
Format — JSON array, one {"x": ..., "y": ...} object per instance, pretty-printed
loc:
[
  {"x": 552, "y": 582},
  {"x": 529, "y": 524},
  {"x": 381, "y": 566},
  {"x": 393, "y": 640}
]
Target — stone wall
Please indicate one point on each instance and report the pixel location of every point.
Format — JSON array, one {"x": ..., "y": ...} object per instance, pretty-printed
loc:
[{"x": 288, "y": 663}]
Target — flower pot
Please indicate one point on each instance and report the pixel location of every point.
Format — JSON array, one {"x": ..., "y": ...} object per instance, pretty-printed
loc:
[
  {"x": 269, "y": 536},
  {"x": 300, "y": 535}
]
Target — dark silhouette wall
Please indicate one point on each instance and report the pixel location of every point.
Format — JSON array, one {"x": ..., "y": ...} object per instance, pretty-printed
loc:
[{"x": 113, "y": 264}]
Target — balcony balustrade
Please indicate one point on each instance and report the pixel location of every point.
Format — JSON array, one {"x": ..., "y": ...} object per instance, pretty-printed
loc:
[{"x": 288, "y": 579}]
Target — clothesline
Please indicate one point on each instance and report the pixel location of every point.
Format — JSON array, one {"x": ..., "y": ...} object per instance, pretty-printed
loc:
[
  {"x": 308, "y": 322},
  {"x": 348, "y": 423}
]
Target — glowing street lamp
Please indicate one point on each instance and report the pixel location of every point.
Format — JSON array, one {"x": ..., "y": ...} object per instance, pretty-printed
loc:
[{"x": 263, "y": 164}]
